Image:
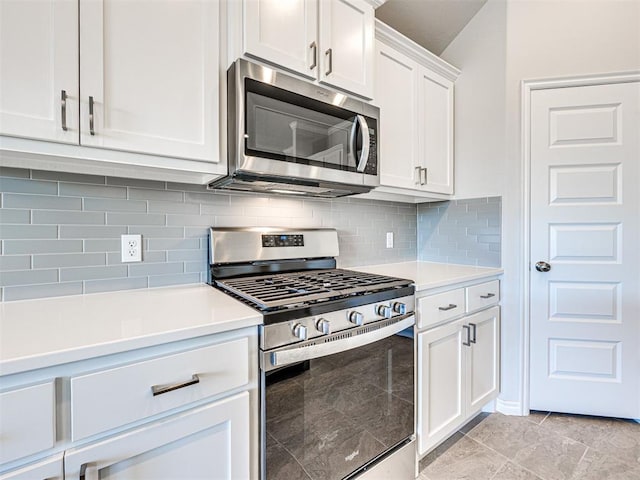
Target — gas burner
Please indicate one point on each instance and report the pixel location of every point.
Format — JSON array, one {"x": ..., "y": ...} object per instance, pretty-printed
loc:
[{"x": 306, "y": 287}]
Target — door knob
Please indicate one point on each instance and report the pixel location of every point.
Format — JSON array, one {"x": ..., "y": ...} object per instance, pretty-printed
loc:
[{"x": 543, "y": 267}]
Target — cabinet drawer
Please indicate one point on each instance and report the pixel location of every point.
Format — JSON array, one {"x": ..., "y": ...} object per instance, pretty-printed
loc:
[
  {"x": 483, "y": 295},
  {"x": 438, "y": 308},
  {"x": 27, "y": 421},
  {"x": 110, "y": 398}
]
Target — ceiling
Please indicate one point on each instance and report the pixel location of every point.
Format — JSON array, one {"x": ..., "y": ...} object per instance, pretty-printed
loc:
[{"x": 430, "y": 23}]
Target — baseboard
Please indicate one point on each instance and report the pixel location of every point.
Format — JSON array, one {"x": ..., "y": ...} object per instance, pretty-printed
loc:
[{"x": 507, "y": 407}]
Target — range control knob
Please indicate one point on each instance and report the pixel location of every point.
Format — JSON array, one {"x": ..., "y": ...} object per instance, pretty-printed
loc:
[
  {"x": 383, "y": 311},
  {"x": 399, "y": 307},
  {"x": 323, "y": 326},
  {"x": 299, "y": 331},
  {"x": 356, "y": 318}
]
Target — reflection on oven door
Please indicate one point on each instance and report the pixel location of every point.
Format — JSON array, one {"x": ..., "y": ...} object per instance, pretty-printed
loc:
[{"x": 328, "y": 417}]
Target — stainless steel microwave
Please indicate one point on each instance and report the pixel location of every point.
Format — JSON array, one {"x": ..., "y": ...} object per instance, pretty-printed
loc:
[{"x": 289, "y": 136}]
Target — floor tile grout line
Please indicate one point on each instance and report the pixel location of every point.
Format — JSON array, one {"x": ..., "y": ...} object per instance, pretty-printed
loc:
[{"x": 507, "y": 458}]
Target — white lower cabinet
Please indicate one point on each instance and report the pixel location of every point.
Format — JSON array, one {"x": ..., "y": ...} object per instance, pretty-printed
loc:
[
  {"x": 49, "y": 469},
  {"x": 458, "y": 373},
  {"x": 181, "y": 410},
  {"x": 208, "y": 442}
]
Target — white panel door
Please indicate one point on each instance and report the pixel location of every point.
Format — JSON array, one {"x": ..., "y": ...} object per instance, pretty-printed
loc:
[
  {"x": 283, "y": 32},
  {"x": 347, "y": 45},
  {"x": 150, "y": 73},
  {"x": 435, "y": 127},
  {"x": 441, "y": 373},
  {"x": 585, "y": 222},
  {"x": 210, "y": 442},
  {"x": 39, "y": 69},
  {"x": 396, "y": 89}
]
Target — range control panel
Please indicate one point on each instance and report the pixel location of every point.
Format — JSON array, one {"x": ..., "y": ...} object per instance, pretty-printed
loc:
[{"x": 283, "y": 240}]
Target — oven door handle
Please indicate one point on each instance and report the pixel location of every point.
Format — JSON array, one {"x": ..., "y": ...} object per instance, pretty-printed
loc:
[{"x": 297, "y": 353}]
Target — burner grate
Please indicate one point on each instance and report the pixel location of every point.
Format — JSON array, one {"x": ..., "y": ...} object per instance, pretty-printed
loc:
[{"x": 270, "y": 291}]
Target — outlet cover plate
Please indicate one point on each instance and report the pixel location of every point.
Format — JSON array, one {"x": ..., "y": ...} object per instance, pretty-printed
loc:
[{"x": 131, "y": 248}]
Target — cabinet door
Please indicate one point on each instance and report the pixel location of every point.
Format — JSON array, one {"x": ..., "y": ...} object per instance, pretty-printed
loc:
[
  {"x": 208, "y": 442},
  {"x": 440, "y": 388},
  {"x": 150, "y": 73},
  {"x": 49, "y": 469},
  {"x": 436, "y": 131},
  {"x": 483, "y": 359},
  {"x": 347, "y": 49},
  {"x": 38, "y": 62},
  {"x": 396, "y": 90},
  {"x": 284, "y": 33}
]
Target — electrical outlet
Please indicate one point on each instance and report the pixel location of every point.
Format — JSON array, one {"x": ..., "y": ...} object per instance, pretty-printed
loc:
[
  {"x": 131, "y": 247},
  {"x": 389, "y": 239}
]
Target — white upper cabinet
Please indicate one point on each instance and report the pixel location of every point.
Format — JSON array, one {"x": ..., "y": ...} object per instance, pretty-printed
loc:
[
  {"x": 395, "y": 93},
  {"x": 39, "y": 69},
  {"x": 136, "y": 82},
  {"x": 326, "y": 40},
  {"x": 435, "y": 124},
  {"x": 283, "y": 32},
  {"x": 149, "y": 77},
  {"x": 346, "y": 43},
  {"x": 414, "y": 90}
]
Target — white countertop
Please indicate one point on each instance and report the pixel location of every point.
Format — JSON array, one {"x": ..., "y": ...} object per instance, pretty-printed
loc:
[
  {"x": 427, "y": 275},
  {"x": 52, "y": 331}
]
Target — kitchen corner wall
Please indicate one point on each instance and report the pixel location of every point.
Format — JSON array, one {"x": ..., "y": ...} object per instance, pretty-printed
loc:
[
  {"x": 461, "y": 231},
  {"x": 60, "y": 232}
]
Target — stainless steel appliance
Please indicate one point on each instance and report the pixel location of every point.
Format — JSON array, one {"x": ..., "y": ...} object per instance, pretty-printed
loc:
[
  {"x": 336, "y": 354},
  {"x": 286, "y": 135}
]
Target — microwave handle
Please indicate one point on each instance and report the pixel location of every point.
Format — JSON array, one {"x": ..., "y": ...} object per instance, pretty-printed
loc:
[{"x": 364, "y": 155}]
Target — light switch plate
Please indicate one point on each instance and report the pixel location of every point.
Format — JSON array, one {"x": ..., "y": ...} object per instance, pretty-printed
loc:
[{"x": 389, "y": 239}]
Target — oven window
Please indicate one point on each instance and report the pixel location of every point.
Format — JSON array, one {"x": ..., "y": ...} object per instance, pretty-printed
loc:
[
  {"x": 327, "y": 417},
  {"x": 286, "y": 126}
]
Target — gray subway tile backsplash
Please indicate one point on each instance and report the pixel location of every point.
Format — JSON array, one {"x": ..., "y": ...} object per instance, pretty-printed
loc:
[
  {"x": 461, "y": 231},
  {"x": 39, "y": 289},
  {"x": 75, "y": 248}
]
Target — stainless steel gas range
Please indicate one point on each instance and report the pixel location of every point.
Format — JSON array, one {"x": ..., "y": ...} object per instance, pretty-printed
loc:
[{"x": 336, "y": 355}]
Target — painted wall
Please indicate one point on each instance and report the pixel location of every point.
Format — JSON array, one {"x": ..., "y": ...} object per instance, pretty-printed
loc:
[
  {"x": 543, "y": 39},
  {"x": 480, "y": 52},
  {"x": 60, "y": 233}
]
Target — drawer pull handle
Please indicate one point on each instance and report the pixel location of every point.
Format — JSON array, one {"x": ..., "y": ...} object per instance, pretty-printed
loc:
[
  {"x": 488, "y": 295},
  {"x": 451, "y": 306},
  {"x": 160, "y": 389}
]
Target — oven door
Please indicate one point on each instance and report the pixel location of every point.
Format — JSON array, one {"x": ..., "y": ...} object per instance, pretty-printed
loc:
[{"x": 334, "y": 409}]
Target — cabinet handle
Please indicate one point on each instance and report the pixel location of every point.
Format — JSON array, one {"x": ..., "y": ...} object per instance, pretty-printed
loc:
[
  {"x": 83, "y": 471},
  {"x": 451, "y": 306},
  {"x": 423, "y": 176},
  {"x": 314, "y": 47},
  {"x": 468, "y": 342},
  {"x": 417, "y": 175},
  {"x": 329, "y": 54},
  {"x": 488, "y": 295},
  {"x": 91, "y": 130},
  {"x": 63, "y": 109},
  {"x": 160, "y": 389},
  {"x": 473, "y": 332}
]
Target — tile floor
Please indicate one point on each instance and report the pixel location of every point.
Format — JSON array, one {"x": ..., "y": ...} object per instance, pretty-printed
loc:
[{"x": 542, "y": 446}]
